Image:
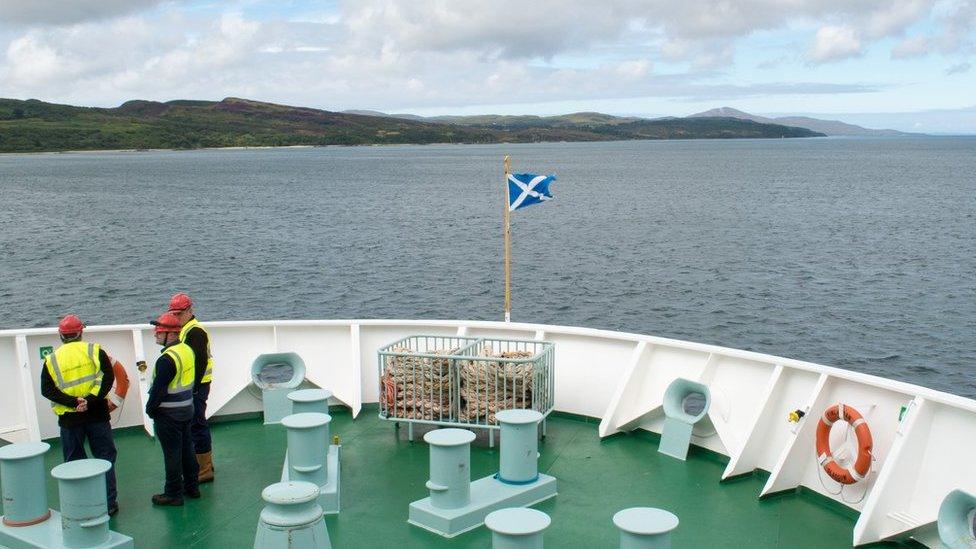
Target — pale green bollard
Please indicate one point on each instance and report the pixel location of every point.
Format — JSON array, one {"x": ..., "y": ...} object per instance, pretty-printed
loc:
[
  {"x": 517, "y": 528},
  {"x": 292, "y": 518},
  {"x": 84, "y": 502},
  {"x": 519, "y": 460},
  {"x": 308, "y": 447},
  {"x": 957, "y": 520},
  {"x": 22, "y": 474},
  {"x": 310, "y": 400},
  {"x": 645, "y": 528},
  {"x": 450, "y": 467}
]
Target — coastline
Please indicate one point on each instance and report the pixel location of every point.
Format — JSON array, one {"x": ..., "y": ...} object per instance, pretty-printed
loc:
[{"x": 262, "y": 147}]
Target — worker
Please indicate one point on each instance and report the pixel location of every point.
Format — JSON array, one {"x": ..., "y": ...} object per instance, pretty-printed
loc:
[
  {"x": 170, "y": 405},
  {"x": 76, "y": 378},
  {"x": 194, "y": 335}
]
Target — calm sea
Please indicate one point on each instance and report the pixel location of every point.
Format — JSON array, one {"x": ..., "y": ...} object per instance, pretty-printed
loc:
[{"x": 858, "y": 253}]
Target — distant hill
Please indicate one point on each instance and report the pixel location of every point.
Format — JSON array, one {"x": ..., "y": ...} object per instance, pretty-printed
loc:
[
  {"x": 32, "y": 125},
  {"x": 828, "y": 127}
]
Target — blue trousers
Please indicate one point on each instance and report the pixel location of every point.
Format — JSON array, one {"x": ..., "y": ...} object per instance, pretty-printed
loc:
[
  {"x": 178, "y": 457},
  {"x": 99, "y": 437},
  {"x": 199, "y": 426}
]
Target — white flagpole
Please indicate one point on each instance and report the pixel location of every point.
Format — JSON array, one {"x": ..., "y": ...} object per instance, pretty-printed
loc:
[{"x": 508, "y": 248}]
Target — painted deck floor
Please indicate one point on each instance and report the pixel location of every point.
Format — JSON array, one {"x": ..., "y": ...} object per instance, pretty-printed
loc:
[{"x": 382, "y": 473}]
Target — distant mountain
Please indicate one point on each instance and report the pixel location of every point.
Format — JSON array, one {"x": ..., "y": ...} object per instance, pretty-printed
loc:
[
  {"x": 32, "y": 125},
  {"x": 828, "y": 127},
  {"x": 513, "y": 121},
  {"x": 605, "y": 124}
]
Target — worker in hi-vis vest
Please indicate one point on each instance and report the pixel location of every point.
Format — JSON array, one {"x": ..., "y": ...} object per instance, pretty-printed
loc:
[
  {"x": 170, "y": 405},
  {"x": 76, "y": 378},
  {"x": 194, "y": 335}
]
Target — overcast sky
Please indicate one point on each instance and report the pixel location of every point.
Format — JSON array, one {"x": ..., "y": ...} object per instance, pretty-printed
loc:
[{"x": 909, "y": 64}]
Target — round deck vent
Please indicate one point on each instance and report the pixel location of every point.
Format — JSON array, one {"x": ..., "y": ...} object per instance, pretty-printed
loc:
[
  {"x": 274, "y": 374},
  {"x": 278, "y": 371},
  {"x": 686, "y": 400},
  {"x": 694, "y": 404},
  {"x": 957, "y": 520}
]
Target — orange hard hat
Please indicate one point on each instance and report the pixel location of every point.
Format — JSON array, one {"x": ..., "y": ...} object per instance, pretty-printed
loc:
[
  {"x": 167, "y": 322},
  {"x": 70, "y": 325},
  {"x": 180, "y": 302}
]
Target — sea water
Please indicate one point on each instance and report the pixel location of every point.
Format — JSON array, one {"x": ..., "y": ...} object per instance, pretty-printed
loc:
[{"x": 851, "y": 252}]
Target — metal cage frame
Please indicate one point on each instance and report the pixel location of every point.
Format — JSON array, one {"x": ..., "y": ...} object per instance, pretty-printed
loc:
[{"x": 442, "y": 403}]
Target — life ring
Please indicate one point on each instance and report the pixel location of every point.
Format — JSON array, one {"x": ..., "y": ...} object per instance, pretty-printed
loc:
[
  {"x": 862, "y": 465},
  {"x": 121, "y": 387}
]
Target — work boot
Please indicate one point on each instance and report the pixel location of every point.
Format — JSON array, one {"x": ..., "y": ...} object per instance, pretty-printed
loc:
[
  {"x": 163, "y": 499},
  {"x": 192, "y": 494},
  {"x": 205, "y": 462}
]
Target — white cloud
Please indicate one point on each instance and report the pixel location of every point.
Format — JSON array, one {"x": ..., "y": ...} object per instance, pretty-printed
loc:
[
  {"x": 833, "y": 43},
  {"x": 899, "y": 16},
  {"x": 61, "y": 12},
  {"x": 386, "y": 54},
  {"x": 913, "y": 46}
]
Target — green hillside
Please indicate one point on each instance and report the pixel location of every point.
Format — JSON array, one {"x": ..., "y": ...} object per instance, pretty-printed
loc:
[{"x": 34, "y": 126}]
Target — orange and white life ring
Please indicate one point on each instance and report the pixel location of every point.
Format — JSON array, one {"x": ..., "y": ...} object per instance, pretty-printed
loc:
[
  {"x": 862, "y": 465},
  {"x": 121, "y": 387}
]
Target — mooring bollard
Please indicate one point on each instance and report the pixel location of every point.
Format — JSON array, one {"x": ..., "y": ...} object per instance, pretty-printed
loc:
[
  {"x": 84, "y": 502},
  {"x": 310, "y": 400},
  {"x": 308, "y": 447},
  {"x": 517, "y": 527},
  {"x": 645, "y": 528},
  {"x": 450, "y": 467},
  {"x": 22, "y": 475},
  {"x": 519, "y": 461},
  {"x": 292, "y": 518}
]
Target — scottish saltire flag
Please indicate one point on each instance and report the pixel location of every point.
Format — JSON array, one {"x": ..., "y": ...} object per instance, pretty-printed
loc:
[{"x": 526, "y": 189}]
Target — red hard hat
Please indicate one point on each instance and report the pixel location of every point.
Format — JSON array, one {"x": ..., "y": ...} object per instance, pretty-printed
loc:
[
  {"x": 167, "y": 322},
  {"x": 180, "y": 302},
  {"x": 70, "y": 325}
]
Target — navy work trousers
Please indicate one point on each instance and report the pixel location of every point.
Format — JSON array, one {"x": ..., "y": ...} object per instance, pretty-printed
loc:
[
  {"x": 99, "y": 435},
  {"x": 178, "y": 457},
  {"x": 200, "y": 428}
]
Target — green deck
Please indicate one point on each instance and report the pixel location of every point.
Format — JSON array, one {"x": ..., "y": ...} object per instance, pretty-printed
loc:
[{"x": 382, "y": 473}]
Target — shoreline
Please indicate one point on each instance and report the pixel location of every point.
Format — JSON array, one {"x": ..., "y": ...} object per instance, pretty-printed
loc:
[{"x": 265, "y": 147}]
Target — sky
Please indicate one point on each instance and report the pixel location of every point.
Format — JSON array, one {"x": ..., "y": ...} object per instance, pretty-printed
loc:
[{"x": 903, "y": 64}]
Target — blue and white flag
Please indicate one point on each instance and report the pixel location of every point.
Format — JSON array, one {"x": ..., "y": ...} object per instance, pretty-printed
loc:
[{"x": 526, "y": 189}]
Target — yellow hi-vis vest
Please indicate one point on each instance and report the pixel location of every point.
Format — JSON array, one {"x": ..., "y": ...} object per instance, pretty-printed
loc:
[
  {"x": 208, "y": 374},
  {"x": 179, "y": 392},
  {"x": 75, "y": 369}
]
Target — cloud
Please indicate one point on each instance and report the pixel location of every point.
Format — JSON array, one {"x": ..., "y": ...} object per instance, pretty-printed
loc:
[
  {"x": 433, "y": 53},
  {"x": 959, "y": 69},
  {"x": 913, "y": 46},
  {"x": 835, "y": 43},
  {"x": 62, "y": 12},
  {"x": 702, "y": 32}
]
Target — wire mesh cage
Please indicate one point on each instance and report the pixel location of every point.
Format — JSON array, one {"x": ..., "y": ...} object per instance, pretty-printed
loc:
[
  {"x": 504, "y": 374},
  {"x": 418, "y": 378},
  {"x": 464, "y": 381}
]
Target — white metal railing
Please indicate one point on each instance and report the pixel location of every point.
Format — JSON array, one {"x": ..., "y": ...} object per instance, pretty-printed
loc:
[{"x": 618, "y": 377}]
